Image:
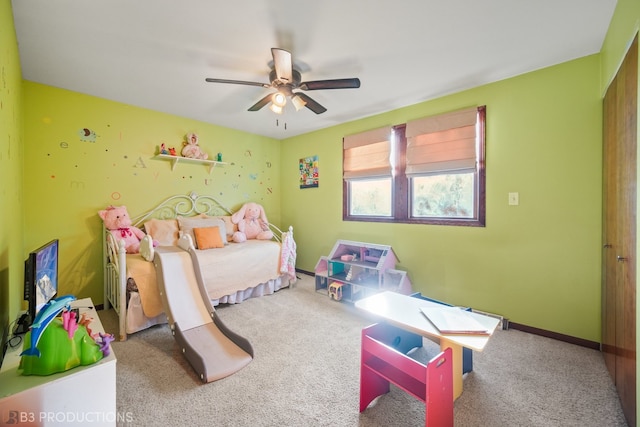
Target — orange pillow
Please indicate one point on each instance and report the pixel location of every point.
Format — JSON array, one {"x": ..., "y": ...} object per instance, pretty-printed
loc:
[{"x": 208, "y": 238}]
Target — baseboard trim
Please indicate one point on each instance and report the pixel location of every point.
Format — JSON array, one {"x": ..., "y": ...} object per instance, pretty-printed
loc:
[
  {"x": 555, "y": 335},
  {"x": 308, "y": 273}
]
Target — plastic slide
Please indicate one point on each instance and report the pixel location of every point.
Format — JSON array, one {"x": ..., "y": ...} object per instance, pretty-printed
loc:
[{"x": 210, "y": 347}]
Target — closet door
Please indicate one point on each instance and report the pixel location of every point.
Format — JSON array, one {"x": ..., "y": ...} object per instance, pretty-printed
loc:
[
  {"x": 609, "y": 228},
  {"x": 619, "y": 231}
]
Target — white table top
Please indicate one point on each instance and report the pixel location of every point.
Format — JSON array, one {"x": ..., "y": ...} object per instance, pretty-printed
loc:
[{"x": 404, "y": 312}]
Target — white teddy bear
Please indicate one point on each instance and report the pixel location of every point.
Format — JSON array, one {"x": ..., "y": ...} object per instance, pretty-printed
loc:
[{"x": 191, "y": 148}]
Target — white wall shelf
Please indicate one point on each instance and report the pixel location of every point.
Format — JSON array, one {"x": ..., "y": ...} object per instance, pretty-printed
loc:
[{"x": 211, "y": 164}]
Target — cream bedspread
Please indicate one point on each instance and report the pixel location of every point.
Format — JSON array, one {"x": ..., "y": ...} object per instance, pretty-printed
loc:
[{"x": 237, "y": 266}]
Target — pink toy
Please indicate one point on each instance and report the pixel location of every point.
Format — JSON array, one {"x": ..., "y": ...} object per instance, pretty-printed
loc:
[
  {"x": 69, "y": 322},
  {"x": 252, "y": 223},
  {"x": 116, "y": 220},
  {"x": 191, "y": 148}
]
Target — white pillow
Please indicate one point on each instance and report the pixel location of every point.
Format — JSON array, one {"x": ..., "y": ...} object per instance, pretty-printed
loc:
[
  {"x": 164, "y": 231},
  {"x": 231, "y": 227}
]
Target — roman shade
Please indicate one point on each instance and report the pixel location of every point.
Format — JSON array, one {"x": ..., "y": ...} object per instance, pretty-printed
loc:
[
  {"x": 446, "y": 142},
  {"x": 367, "y": 154}
]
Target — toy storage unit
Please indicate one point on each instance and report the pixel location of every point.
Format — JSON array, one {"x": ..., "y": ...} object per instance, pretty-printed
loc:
[{"x": 355, "y": 270}]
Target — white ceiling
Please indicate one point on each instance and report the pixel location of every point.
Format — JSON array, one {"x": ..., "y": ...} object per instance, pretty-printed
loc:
[{"x": 156, "y": 53}]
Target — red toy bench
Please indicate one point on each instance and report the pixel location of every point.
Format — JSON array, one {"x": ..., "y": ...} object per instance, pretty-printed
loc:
[{"x": 384, "y": 361}]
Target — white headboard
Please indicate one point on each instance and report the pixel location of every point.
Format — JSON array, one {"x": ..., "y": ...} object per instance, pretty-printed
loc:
[{"x": 183, "y": 205}]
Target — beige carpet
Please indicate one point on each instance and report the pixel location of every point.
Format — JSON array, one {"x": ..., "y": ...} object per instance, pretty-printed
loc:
[{"x": 306, "y": 373}]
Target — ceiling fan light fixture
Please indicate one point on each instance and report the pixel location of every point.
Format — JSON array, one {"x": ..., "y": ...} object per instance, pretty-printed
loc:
[
  {"x": 275, "y": 108},
  {"x": 298, "y": 102},
  {"x": 279, "y": 99}
]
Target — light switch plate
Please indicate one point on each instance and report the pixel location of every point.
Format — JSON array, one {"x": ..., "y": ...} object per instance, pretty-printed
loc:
[{"x": 514, "y": 199}]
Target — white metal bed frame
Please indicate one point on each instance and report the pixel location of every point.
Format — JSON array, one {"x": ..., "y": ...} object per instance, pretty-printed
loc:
[{"x": 114, "y": 255}]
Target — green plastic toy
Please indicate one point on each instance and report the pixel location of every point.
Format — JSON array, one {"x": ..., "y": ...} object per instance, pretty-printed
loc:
[{"x": 58, "y": 352}]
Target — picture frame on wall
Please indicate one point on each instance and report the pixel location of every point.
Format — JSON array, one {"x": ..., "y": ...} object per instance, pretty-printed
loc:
[{"x": 309, "y": 176}]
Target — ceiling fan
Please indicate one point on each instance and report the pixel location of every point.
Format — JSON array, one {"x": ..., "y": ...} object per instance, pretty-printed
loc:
[{"x": 287, "y": 82}]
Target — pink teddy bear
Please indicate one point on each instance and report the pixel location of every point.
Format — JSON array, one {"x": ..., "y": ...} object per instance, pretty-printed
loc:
[{"x": 117, "y": 220}]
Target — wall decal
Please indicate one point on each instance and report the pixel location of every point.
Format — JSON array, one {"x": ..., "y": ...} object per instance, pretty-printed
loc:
[
  {"x": 309, "y": 175},
  {"x": 87, "y": 135},
  {"x": 64, "y": 145},
  {"x": 140, "y": 163},
  {"x": 115, "y": 195},
  {"x": 253, "y": 176}
]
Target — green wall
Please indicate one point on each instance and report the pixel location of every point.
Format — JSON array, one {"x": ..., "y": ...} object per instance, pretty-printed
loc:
[
  {"x": 537, "y": 263},
  {"x": 11, "y": 141},
  {"x": 85, "y": 153}
]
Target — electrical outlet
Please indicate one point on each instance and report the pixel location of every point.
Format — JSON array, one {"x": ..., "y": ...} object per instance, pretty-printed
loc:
[{"x": 514, "y": 199}]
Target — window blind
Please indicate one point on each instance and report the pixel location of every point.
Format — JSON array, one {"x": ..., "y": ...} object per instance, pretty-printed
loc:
[
  {"x": 367, "y": 154},
  {"x": 446, "y": 142}
]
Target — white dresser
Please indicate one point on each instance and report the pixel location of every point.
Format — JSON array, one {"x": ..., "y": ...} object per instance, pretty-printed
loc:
[{"x": 85, "y": 395}]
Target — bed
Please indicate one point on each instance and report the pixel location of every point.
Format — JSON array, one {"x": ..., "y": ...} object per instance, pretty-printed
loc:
[{"x": 130, "y": 285}]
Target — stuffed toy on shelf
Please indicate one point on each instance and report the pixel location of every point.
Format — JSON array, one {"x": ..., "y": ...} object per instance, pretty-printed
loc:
[{"x": 191, "y": 148}]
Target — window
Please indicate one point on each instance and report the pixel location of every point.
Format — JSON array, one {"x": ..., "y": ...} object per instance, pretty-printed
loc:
[{"x": 428, "y": 171}]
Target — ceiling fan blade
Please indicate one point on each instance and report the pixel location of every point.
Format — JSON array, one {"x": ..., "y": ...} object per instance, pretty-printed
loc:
[
  {"x": 331, "y": 84},
  {"x": 283, "y": 64},
  {"x": 237, "y": 82},
  {"x": 258, "y": 105},
  {"x": 311, "y": 104}
]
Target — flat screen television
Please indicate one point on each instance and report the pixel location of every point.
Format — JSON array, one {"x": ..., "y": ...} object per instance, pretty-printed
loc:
[{"x": 40, "y": 278}]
